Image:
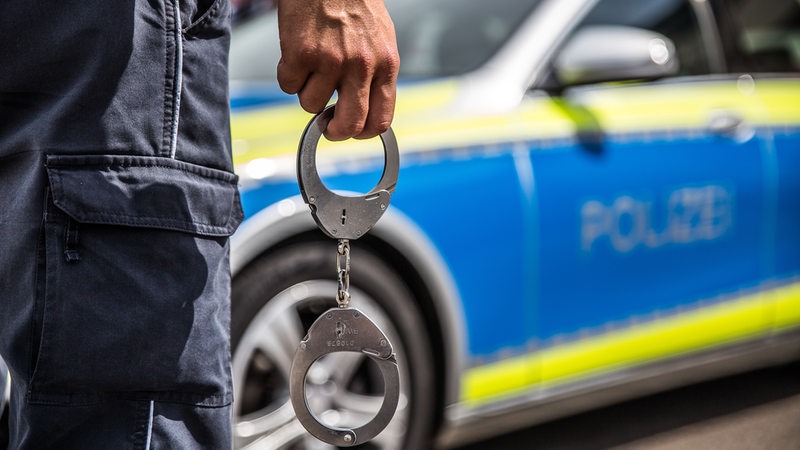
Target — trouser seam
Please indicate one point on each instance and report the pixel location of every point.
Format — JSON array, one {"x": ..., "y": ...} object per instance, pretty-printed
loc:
[
  {"x": 142, "y": 433},
  {"x": 173, "y": 80},
  {"x": 150, "y": 426},
  {"x": 37, "y": 316}
]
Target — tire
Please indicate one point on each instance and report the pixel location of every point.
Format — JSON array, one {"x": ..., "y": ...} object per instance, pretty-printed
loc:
[{"x": 275, "y": 300}]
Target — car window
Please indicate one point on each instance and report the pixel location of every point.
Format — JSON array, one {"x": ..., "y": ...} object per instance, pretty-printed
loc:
[
  {"x": 435, "y": 38},
  {"x": 450, "y": 37},
  {"x": 255, "y": 50},
  {"x": 674, "y": 19},
  {"x": 768, "y": 33}
]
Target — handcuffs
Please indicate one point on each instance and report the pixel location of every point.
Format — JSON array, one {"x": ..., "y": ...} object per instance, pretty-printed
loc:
[{"x": 344, "y": 328}]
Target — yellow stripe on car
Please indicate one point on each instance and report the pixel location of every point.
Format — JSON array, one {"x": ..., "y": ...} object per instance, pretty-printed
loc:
[
  {"x": 702, "y": 328},
  {"x": 426, "y": 119}
]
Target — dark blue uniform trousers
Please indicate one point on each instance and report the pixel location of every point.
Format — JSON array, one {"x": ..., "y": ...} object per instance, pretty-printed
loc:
[{"x": 117, "y": 199}]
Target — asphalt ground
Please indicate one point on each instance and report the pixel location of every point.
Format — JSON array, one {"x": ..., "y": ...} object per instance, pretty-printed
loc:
[{"x": 759, "y": 410}]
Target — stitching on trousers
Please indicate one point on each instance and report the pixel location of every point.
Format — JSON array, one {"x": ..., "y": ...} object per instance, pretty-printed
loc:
[
  {"x": 178, "y": 84},
  {"x": 149, "y": 427},
  {"x": 205, "y": 172}
]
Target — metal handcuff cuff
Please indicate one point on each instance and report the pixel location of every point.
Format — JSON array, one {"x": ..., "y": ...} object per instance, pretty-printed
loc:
[{"x": 344, "y": 328}]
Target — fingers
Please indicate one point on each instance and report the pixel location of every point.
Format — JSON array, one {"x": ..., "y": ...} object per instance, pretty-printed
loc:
[
  {"x": 315, "y": 89},
  {"x": 365, "y": 107},
  {"x": 316, "y": 93},
  {"x": 314, "y": 85},
  {"x": 352, "y": 106},
  {"x": 382, "y": 99},
  {"x": 291, "y": 77},
  {"x": 346, "y": 47}
]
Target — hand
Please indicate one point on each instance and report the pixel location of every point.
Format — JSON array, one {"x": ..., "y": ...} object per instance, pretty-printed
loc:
[{"x": 347, "y": 46}]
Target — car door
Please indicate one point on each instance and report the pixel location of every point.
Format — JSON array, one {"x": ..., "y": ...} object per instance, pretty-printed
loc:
[
  {"x": 651, "y": 220},
  {"x": 762, "y": 40}
]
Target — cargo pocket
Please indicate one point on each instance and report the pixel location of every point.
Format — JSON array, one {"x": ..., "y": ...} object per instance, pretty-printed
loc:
[
  {"x": 204, "y": 17},
  {"x": 136, "y": 280}
]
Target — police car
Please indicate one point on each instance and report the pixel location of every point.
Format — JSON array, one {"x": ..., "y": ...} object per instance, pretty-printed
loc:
[{"x": 598, "y": 199}]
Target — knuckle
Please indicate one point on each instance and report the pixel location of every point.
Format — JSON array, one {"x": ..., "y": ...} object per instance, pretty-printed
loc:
[
  {"x": 374, "y": 128},
  {"x": 299, "y": 58},
  {"x": 364, "y": 65},
  {"x": 391, "y": 64},
  {"x": 351, "y": 128},
  {"x": 382, "y": 126},
  {"x": 305, "y": 53},
  {"x": 344, "y": 129},
  {"x": 332, "y": 62},
  {"x": 361, "y": 65}
]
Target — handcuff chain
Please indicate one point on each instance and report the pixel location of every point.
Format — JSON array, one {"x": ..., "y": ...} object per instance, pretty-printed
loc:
[{"x": 343, "y": 273}]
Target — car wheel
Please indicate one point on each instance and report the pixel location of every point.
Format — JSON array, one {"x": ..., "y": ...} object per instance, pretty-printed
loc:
[{"x": 275, "y": 301}]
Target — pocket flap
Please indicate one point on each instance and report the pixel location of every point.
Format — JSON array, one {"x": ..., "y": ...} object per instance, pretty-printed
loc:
[{"x": 141, "y": 191}]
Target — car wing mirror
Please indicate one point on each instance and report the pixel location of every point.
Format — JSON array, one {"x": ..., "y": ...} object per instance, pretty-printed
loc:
[{"x": 604, "y": 53}]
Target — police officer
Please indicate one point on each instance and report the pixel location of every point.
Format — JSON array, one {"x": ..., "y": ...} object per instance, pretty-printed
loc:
[{"x": 117, "y": 199}]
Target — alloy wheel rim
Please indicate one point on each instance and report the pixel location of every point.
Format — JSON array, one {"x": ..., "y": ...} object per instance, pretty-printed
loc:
[{"x": 340, "y": 388}]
